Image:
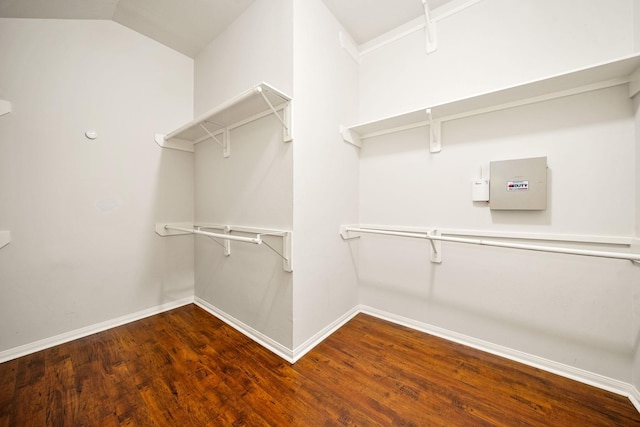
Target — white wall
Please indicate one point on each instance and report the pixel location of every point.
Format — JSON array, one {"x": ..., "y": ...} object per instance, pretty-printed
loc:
[
  {"x": 309, "y": 186},
  {"x": 636, "y": 295},
  {"x": 254, "y": 186},
  {"x": 82, "y": 213},
  {"x": 251, "y": 188},
  {"x": 567, "y": 309},
  {"x": 636, "y": 283},
  {"x": 490, "y": 45},
  {"x": 257, "y": 47},
  {"x": 325, "y": 171}
]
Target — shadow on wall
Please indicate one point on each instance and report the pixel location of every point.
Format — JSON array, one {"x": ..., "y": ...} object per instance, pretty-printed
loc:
[
  {"x": 636, "y": 307},
  {"x": 523, "y": 217},
  {"x": 173, "y": 202},
  {"x": 252, "y": 188},
  {"x": 585, "y": 110},
  {"x": 512, "y": 298}
]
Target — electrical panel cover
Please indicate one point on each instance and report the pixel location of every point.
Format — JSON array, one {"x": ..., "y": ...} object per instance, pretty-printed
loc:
[{"x": 519, "y": 184}]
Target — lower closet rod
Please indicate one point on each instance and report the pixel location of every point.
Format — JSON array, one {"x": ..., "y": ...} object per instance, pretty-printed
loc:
[
  {"x": 254, "y": 240},
  {"x": 552, "y": 249}
]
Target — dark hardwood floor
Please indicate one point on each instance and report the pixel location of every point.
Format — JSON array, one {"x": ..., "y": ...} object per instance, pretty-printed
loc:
[{"x": 187, "y": 368}]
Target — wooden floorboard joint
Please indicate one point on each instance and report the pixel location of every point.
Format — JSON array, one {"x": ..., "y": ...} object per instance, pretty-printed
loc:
[{"x": 186, "y": 367}]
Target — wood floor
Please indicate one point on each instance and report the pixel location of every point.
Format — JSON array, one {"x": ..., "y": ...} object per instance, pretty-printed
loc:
[{"x": 186, "y": 368}]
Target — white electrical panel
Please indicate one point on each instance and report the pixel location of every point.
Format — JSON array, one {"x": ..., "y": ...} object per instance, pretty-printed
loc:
[{"x": 519, "y": 184}]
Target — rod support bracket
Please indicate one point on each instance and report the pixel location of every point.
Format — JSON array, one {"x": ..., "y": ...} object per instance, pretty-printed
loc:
[{"x": 436, "y": 248}]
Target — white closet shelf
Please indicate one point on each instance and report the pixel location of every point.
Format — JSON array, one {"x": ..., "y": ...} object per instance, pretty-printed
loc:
[
  {"x": 250, "y": 105},
  {"x": 619, "y": 72},
  {"x": 5, "y": 238},
  {"x": 5, "y": 107},
  {"x": 226, "y": 237}
]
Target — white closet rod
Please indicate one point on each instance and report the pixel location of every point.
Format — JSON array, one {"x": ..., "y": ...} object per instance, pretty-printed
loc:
[
  {"x": 561, "y": 250},
  {"x": 387, "y": 232},
  {"x": 255, "y": 240}
]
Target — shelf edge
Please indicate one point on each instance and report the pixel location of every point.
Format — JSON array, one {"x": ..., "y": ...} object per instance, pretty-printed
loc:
[
  {"x": 5, "y": 238},
  {"x": 632, "y": 61},
  {"x": 252, "y": 91},
  {"x": 174, "y": 143},
  {"x": 5, "y": 107},
  {"x": 162, "y": 231}
]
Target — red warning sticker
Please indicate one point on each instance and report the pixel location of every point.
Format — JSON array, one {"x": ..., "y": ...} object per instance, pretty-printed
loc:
[{"x": 517, "y": 185}]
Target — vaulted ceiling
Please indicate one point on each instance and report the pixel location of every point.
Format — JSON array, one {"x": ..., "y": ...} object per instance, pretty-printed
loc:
[
  {"x": 368, "y": 19},
  {"x": 189, "y": 25}
]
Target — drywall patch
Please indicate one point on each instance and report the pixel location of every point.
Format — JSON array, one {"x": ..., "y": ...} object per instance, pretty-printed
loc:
[{"x": 108, "y": 204}]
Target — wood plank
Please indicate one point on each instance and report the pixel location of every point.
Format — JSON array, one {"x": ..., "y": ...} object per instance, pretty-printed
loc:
[
  {"x": 8, "y": 378},
  {"x": 29, "y": 403},
  {"x": 61, "y": 398},
  {"x": 185, "y": 367}
]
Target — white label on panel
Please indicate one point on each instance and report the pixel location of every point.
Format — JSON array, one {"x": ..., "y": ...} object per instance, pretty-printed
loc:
[{"x": 517, "y": 185}]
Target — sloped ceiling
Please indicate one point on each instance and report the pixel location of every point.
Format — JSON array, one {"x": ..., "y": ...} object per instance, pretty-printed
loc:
[
  {"x": 189, "y": 25},
  {"x": 58, "y": 9},
  {"x": 366, "y": 19},
  {"x": 184, "y": 25}
]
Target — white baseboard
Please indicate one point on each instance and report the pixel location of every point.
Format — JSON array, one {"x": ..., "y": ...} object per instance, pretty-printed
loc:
[
  {"x": 634, "y": 397},
  {"x": 291, "y": 356},
  {"x": 243, "y": 328},
  {"x": 43, "y": 344},
  {"x": 284, "y": 352},
  {"x": 309, "y": 344},
  {"x": 580, "y": 375}
]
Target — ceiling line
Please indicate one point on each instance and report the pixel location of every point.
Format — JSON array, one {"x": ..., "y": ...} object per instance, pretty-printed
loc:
[{"x": 412, "y": 26}]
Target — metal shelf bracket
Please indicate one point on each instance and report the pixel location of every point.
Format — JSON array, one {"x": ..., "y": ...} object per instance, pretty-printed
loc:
[
  {"x": 286, "y": 115},
  {"x": 225, "y": 144}
]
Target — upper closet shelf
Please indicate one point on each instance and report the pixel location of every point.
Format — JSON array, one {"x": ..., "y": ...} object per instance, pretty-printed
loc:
[
  {"x": 252, "y": 104},
  {"x": 5, "y": 107},
  {"x": 623, "y": 71}
]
